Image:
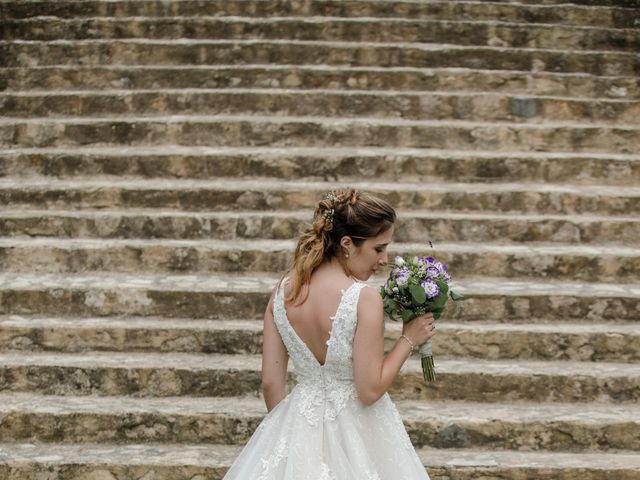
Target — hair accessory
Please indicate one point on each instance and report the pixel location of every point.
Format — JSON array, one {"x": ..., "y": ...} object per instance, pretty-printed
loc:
[{"x": 328, "y": 214}]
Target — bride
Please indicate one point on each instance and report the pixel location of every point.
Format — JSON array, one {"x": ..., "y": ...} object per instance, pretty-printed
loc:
[{"x": 338, "y": 422}]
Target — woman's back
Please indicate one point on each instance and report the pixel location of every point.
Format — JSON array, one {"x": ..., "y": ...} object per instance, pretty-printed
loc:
[{"x": 312, "y": 320}]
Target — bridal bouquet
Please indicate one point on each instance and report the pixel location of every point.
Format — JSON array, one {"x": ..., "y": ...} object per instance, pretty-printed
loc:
[{"x": 415, "y": 287}]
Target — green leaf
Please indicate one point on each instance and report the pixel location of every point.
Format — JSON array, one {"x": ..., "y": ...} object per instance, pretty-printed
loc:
[
  {"x": 440, "y": 301},
  {"x": 418, "y": 294},
  {"x": 407, "y": 315},
  {"x": 392, "y": 303},
  {"x": 444, "y": 288}
]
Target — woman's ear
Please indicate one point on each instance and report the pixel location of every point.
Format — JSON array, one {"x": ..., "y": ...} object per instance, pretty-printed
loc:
[{"x": 346, "y": 244}]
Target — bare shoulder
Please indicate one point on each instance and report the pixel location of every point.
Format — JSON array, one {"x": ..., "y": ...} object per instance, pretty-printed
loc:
[
  {"x": 370, "y": 305},
  {"x": 370, "y": 295}
]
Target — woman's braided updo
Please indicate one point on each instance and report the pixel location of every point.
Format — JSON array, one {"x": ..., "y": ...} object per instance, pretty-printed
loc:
[{"x": 341, "y": 212}]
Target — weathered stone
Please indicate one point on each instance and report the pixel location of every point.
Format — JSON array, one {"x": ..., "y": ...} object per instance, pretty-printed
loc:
[
  {"x": 150, "y": 345},
  {"x": 234, "y": 52},
  {"x": 235, "y": 296},
  {"x": 431, "y": 106},
  {"x": 555, "y": 341},
  {"x": 331, "y": 164},
  {"x": 559, "y": 427},
  {"x": 318, "y": 77},
  {"x": 607, "y": 13},
  {"x": 234, "y": 131},
  {"x": 415, "y": 226},
  {"x": 324, "y": 29},
  {"x": 198, "y": 375},
  {"x": 576, "y": 263},
  {"x": 197, "y": 462}
]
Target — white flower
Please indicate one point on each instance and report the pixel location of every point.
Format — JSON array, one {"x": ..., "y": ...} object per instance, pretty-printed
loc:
[{"x": 399, "y": 261}]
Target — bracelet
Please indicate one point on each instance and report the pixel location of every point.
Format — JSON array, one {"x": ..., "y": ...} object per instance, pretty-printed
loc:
[{"x": 410, "y": 343}]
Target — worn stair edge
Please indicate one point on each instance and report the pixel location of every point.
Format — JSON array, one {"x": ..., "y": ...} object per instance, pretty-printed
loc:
[
  {"x": 153, "y": 374},
  {"x": 615, "y": 342},
  {"x": 415, "y": 225},
  {"x": 339, "y": 78},
  {"x": 427, "y": 422},
  {"x": 148, "y": 51},
  {"x": 467, "y": 32},
  {"x": 293, "y": 102},
  {"x": 280, "y": 131},
  {"x": 263, "y": 283},
  {"x": 182, "y": 461},
  {"x": 596, "y": 12},
  {"x": 266, "y": 194},
  {"x": 604, "y": 263},
  {"x": 339, "y": 164}
]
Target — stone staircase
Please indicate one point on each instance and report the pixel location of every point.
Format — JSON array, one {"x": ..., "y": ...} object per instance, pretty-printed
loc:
[{"x": 159, "y": 158}]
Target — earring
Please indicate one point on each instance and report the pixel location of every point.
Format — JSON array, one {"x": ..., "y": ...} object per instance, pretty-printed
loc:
[{"x": 346, "y": 255}]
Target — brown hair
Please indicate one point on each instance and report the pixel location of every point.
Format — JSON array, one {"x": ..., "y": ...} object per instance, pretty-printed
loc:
[{"x": 341, "y": 212}]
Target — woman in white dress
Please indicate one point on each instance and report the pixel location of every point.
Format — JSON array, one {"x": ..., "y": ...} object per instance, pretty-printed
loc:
[{"x": 338, "y": 422}]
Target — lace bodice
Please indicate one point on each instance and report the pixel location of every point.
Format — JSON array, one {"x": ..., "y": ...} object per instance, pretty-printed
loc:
[{"x": 324, "y": 389}]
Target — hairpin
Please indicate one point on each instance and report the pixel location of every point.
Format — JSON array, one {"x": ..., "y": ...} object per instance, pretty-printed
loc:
[{"x": 328, "y": 214}]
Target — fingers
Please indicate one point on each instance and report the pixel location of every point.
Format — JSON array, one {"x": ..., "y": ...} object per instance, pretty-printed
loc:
[{"x": 421, "y": 328}]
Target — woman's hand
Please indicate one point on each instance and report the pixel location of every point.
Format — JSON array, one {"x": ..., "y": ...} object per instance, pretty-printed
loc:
[{"x": 420, "y": 329}]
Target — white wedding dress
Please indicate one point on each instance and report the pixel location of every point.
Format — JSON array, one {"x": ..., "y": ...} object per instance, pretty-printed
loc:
[{"x": 321, "y": 430}]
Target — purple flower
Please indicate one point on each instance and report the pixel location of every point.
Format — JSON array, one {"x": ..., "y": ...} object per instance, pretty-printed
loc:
[
  {"x": 444, "y": 272},
  {"x": 426, "y": 260},
  {"x": 440, "y": 266},
  {"x": 432, "y": 272},
  {"x": 430, "y": 288},
  {"x": 403, "y": 276}
]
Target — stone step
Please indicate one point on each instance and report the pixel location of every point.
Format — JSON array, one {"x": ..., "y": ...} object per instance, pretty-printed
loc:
[
  {"x": 343, "y": 77},
  {"x": 608, "y": 263},
  {"x": 313, "y": 164},
  {"x": 604, "y": 13},
  {"x": 268, "y": 194},
  {"x": 413, "y": 226},
  {"x": 190, "y": 461},
  {"x": 327, "y": 28},
  {"x": 612, "y": 342},
  {"x": 530, "y": 426},
  {"x": 615, "y": 3},
  {"x": 471, "y": 106},
  {"x": 297, "y": 52},
  {"x": 231, "y": 296},
  {"x": 281, "y": 131}
]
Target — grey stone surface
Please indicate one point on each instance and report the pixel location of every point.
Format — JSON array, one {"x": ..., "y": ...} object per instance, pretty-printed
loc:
[
  {"x": 263, "y": 194},
  {"x": 413, "y": 225},
  {"x": 327, "y": 28},
  {"x": 324, "y": 102},
  {"x": 452, "y": 79},
  {"x": 151, "y": 187},
  {"x": 339, "y": 164}
]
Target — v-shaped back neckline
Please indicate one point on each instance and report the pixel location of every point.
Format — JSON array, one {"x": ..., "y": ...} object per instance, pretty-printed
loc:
[{"x": 280, "y": 295}]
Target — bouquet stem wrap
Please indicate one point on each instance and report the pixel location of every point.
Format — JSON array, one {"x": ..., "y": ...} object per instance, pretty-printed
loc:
[{"x": 428, "y": 367}]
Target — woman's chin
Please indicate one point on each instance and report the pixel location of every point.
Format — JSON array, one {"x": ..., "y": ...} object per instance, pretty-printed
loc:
[{"x": 367, "y": 276}]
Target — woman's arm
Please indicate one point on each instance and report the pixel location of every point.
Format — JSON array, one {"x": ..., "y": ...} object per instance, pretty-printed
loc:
[
  {"x": 274, "y": 359},
  {"x": 373, "y": 372}
]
